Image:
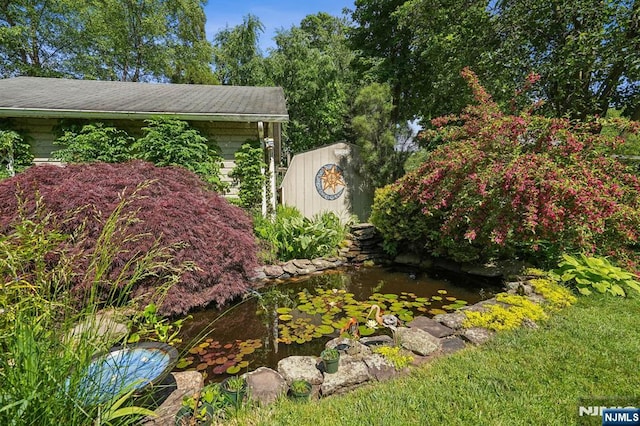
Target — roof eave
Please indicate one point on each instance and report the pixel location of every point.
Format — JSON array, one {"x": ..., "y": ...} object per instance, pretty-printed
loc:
[{"x": 139, "y": 115}]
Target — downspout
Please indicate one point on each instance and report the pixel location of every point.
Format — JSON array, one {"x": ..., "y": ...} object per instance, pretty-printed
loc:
[{"x": 262, "y": 170}]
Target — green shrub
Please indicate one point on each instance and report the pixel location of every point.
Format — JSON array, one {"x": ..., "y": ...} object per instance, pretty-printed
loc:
[
  {"x": 15, "y": 153},
  {"x": 289, "y": 235},
  {"x": 248, "y": 173},
  {"x": 94, "y": 142},
  {"x": 589, "y": 273},
  {"x": 506, "y": 186}
]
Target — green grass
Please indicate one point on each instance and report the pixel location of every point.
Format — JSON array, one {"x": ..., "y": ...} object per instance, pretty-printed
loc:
[{"x": 523, "y": 377}]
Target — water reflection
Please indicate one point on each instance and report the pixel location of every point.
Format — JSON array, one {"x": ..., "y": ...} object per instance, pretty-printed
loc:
[{"x": 264, "y": 317}]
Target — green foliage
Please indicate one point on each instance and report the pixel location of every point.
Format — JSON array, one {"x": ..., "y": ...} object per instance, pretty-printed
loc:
[
  {"x": 249, "y": 174},
  {"x": 395, "y": 355},
  {"x": 311, "y": 62},
  {"x": 330, "y": 354},
  {"x": 15, "y": 153},
  {"x": 498, "y": 317},
  {"x": 300, "y": 386},
  {"x": 208, "y": 405},
  {"x": 293, "y": 236},
  {"x": 589, "y": 273},
  {"x": 236, "y": 54},
  {"x": 42, "y": 362},
  {"x": 94, "y": 142},
  {"x": 556, "y": 296},
  {"x": 235, "y": 383},
  {"x": 150, "y": 325},
  {"x": 377, "y": 135}
]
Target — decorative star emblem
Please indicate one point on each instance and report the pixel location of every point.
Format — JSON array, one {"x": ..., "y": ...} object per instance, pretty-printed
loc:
[{"x": 332, "y": 178}]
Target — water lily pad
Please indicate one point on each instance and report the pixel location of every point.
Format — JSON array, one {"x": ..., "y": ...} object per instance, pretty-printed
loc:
[
  {"x": 233, "y": 369},
  {"x": 437, "y": 311},
  {"x": 184, "y": 363},
  {"x": 391, "y": 296},
  {"x": 285, "y": 317},
  {"x": 442, "y": 291},
  {"x": 451, "y": 298},
  {"x": 202, "y": 366},
  {"x": 325, "y": 329},
  {"x": 365, "y": 331},
  {"x": 283, "y": 310},
  {"x": 436, "y": 298}
]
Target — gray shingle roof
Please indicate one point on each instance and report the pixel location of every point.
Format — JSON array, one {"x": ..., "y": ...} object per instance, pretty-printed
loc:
[{"x": 53, "y": 97}]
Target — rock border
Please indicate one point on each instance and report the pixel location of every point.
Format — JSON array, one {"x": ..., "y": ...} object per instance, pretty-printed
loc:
[{"x": 424, "y": 338}]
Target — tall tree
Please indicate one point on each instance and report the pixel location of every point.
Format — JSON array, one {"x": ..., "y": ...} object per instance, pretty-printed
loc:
[
  {"x": 312, "y": 63},
  {"x": 236, "y": 54},
  {"x": 587, "y": 52},
  {"x": 37, "y": 37},
  {"x": 140, "y": 40}
]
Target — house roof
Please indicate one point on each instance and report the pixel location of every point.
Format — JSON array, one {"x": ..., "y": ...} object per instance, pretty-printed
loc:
[{"x": 58, "y": 98}]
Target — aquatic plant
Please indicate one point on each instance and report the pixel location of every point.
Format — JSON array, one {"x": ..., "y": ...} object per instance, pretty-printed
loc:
[{"x": 218, "y": 358}]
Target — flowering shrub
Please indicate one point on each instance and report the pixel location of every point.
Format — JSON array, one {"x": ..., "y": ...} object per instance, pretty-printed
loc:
[
  {"x": 514, "y": 185},
  {"x": 174, "y": 209}
]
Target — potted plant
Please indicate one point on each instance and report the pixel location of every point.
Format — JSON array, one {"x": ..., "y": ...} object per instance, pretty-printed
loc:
[
  {"x": 330, "y": 359},
  {"x": 234, "y": 388},
  {"x": 300, "y": 390}
]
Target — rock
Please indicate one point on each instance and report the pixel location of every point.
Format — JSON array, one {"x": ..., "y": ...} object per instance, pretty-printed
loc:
[
  {"x": 301, "y": 263},
  {"x": 407, "y": 259},
  {"x": 308, "y": 270},
  {"x": 351, "y": 373},
  {"x": 488, "y": 271},
  {"x": 321, "y": 264},
  {"x": 265, "y": 385},
  {"x": 348, "y": 346},
  {"x": 185, "y": 383},
  {"x": 452, "y": 320},
  {"x": 536, "y": 298},
  {"x": 431, "y": 326},
  {"x": 359, "y": 226},
  {"x": 300, "y": 367},
  {"x": 290, "y": 268},
  {"x": 452, "y": 344},
  {"x": 105, "y": 329},
  {"x": 273, "y": 271},
  {"x": 417, "y": 340},
  {"x": 373, "y": 341},
  {"x": 478, "y": 335},
  {"x": 379, "y": 368},
  {"x": 520, "y": 288}
]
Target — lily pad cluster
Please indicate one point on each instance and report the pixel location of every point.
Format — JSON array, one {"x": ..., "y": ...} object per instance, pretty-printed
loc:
[
  {"x": 218, "y": 358},
  {"x": 328, "y": 311}
]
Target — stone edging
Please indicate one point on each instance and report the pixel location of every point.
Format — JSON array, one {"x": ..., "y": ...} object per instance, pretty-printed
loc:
[{"x": 425, "y": 338}]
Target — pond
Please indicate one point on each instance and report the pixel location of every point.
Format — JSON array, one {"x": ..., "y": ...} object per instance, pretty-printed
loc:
[{"x": 299, "y": 316}]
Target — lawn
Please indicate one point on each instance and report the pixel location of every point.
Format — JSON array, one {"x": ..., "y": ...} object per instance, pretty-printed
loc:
[{"x": 524, "y": 377}]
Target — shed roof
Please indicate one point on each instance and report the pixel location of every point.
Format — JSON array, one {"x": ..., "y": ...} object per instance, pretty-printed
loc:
[{"x": 56, "y": 97}]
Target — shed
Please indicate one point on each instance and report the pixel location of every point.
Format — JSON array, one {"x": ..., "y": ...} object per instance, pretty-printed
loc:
[
  {"x": 328, "y": 179},
  {"x": 228, "y": 115}
]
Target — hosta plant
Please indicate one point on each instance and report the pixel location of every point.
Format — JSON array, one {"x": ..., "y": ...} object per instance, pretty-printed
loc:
[{"x": 596, "y": 273}]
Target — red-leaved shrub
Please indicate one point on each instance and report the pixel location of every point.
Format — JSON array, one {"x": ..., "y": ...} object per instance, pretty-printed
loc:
[
  {"x": 514, "y": 185},
  {"x": 175, "y": 207}
]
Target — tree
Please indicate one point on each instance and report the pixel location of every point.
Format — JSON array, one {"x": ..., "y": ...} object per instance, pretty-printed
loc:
[
  {"x": 312, "y": 64},
  {"x": 586, "y": 51},
  {"x": 377, "y": 135},
  {"x": 236, "y": 54},
  {"x": 37, "y": 38}
]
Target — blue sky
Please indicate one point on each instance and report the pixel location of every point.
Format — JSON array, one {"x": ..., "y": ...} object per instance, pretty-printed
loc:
[{"x": 274, "y": 14}]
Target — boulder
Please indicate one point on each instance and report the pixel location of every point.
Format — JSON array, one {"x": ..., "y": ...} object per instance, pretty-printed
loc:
[
  {"x": 290, "y": 268},
  {"x": 379, "y": 368},
  {"x": 431, "y": 326},
  {"x": 179, "y": 385},
  {"x": 351, "y": 374},
  {"x": 452, "y": 344},
  {"x": 300, "y": 367},
  {"x": 265, "y": 385},
  {"x": 478, "y": 335},
  {"x": 273, "y": 271},
  {"x": 418, "y": 341},
  {"x": 452, "y": 320}
]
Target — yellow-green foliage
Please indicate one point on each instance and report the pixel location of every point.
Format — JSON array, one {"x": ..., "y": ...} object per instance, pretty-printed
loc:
[
  {"x": 395, "y": 356},
  {"x": 556, "y": 295},
  {"x": 498, "y": 317}
]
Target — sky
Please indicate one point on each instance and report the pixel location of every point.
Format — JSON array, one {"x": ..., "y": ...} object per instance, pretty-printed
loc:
[{"x": 274, "y": 14}]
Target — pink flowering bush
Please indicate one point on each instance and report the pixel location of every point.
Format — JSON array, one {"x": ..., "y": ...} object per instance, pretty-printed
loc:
[{"x": 514, "y": 185}]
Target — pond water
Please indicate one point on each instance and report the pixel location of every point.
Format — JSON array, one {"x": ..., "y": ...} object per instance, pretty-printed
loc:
[{"x": 299, "y": 316}]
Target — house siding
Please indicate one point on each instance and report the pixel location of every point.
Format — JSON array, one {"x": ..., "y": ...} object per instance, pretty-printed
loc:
[{"x": 229, "y": 136}]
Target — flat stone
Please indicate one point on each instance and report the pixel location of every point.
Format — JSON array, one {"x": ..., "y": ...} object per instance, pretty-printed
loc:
[
  {"x": 350, "y": 347},
  {"x": 273, "y": 271},
  {"x": 359, "y": 226},
  {"x": 379, "y": 368},
  {"x": 478, "y": 335},
  {"x": 373, "y": 341},
  {"x": 259, "y": 274},
  {"x": 351, "y": 374},
  {"x": 300, "y": 367},
  {"x": 104, "y": 328},
  {"x": 180, "y": 385},
  {"x": 484, "y": 305},
  {"x": 308, "y": 270},
  {"x": 431, "y": 326},
  {"x": 301, "y": 263},
  {"x": 290, "y": 268},
  {"x": 321, "y": 264},
  {"x": 452, "y": 344},
  {"x": 265, "y": 385},
  {"x": 417, "y": 340},
  {"x": 452, "y": 320}
]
